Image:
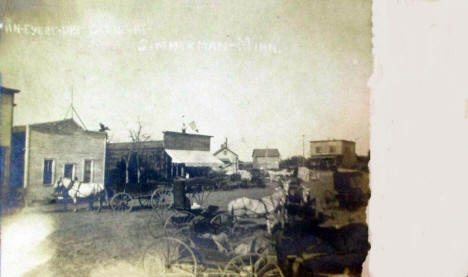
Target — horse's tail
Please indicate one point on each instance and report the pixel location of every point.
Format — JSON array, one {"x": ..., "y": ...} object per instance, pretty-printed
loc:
[
  {"x": 101, "y": 192},
  {"x": 105, "y": 193}
]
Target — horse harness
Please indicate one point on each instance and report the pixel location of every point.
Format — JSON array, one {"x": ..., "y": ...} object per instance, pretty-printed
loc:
[
  {"x": 264, "y": 205},
  {"x": 77, "y": 189}
]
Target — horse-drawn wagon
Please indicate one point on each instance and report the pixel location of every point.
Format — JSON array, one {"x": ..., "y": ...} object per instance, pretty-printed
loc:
[
  {"x": 205, "y": 244},
  {"x": 146, "y": 195},
  {"x": 197, "y": 241},
  {"x": 161, "y": 194}
]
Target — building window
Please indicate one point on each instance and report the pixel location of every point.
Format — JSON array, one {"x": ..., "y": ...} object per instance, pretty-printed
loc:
[
  {"x": 48, "y": 172},
  {"x": 332, "y": 149},
  {"x": 88, "y": 171},
  {"x": 318, "y": 150},
  {"x": 69, "y": 171}
]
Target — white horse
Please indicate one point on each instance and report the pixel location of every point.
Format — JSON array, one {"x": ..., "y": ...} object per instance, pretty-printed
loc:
[
  {"x": 76, "y": 189},
  {"x": 271, "y": 207}
]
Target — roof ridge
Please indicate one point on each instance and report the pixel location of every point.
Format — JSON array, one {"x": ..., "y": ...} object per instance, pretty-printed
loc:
[
  {"x": 224, "y": 148},
  {"x": 51, "y": 122}
]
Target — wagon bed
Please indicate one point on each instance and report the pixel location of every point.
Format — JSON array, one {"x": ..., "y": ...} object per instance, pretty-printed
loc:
[{"x": 148, "y": 195}]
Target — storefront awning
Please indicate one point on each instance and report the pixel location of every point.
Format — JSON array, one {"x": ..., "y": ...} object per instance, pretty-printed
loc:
[{"x": 194, "y": 158}]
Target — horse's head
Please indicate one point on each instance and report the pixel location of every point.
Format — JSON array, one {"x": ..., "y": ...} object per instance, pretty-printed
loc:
[
  {"x": 58, "y": 183},
  {"x": 285, "y": 185}
]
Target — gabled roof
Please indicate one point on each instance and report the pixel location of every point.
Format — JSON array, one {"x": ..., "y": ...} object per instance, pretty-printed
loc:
[
  {"x": 193, "y": 158},
  {"x": 224, "y": 148},
  {"x": 268, "y": 152},
  {"x": 60, "y": 126}
]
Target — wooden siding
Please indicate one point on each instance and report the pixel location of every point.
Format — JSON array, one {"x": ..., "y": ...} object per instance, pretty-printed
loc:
[
  {"x": 63, "y": 148},
  {"x": 152, "y": 155},
  {"x": 266, "y": 162},
  {"x": 181, "y": 141}
]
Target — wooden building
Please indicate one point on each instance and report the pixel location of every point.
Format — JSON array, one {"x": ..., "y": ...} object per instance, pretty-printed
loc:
[
  {"x": 190, "y": 154},
  {"x": 266, "y": 158},
  {"x": 43, "y": 152},
  {"x": 333, "y": 154},
  {"x": 143, "y": 162},
  {"x": 228, "y": 157},
  {"x": 7, "y": 96},
  {"x": 177, "y": 155}
]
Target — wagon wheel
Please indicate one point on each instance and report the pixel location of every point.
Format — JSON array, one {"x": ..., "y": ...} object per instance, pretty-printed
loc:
[
  {"x": 157, "y": 221},
  {"x": 145, "y": 201},
  {"x": 180, "y": 223},
  {"x": 223, "y": 222},
  {"x": 252, "y": 265},
  {"x": 169, "y": 257},
  {"x": 121, "y": 202},
  {"x": 162, "y": 197}
]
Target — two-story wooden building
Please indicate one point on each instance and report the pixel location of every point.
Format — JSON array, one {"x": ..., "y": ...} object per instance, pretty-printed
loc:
[
  {"x": 43, "y": 152},
  {"x": 266, "y": 158},
  {"x": 228, "y": 157},
  {"x": 333, "y": 154}
]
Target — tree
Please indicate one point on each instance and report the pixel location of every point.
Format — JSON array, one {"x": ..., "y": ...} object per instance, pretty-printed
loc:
[
  {"x": 294, "y": 161},
  {"x": 138, "y": 138}
]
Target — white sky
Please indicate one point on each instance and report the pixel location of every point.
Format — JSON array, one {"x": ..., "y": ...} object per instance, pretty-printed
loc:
[{"x": 312, "y": 82}]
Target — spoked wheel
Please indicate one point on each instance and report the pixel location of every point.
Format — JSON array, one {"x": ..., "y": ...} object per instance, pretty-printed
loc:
[
  {"x": 252, "y": 265},
  {"x": 162, "y": 198},
  {"x": 169, "y": 257},
  {"x": 157, "y": 222},
  {"x": 179, "y": 223},
  {"x": 121, "y": 202},
  {"x": 223, "y": 222}
]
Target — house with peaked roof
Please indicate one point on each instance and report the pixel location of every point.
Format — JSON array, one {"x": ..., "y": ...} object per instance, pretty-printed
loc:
[
  {"x": 266, "y": 158},
  {"x": 45, "y": 151},
  {"x": 228, "y": 157}
]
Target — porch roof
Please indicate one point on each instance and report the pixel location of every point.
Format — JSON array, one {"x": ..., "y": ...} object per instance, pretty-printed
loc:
[{"x": 194, "y": 158}]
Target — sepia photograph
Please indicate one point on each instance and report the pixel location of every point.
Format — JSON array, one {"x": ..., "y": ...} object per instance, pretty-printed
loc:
[{"x": 185, "y": 137}]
